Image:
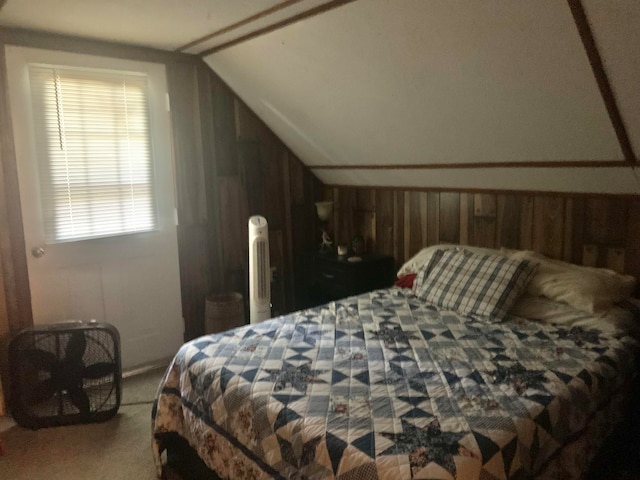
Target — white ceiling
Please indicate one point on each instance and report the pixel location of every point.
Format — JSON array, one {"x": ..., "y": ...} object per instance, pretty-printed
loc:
[
  {"x": 427, "y": 82},
  {"x": 163, "y": 24},
  {"x": 383, "y": 82}
]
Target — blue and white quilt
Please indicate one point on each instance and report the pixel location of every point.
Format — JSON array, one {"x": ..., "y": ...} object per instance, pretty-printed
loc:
[{"x": 383, "y": 386}]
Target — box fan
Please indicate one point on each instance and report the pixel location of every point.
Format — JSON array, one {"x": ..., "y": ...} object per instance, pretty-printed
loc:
[{"x": 65, "y": 373}]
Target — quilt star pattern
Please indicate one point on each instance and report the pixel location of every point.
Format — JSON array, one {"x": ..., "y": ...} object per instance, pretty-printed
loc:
[{"x": 383, "y": 386}]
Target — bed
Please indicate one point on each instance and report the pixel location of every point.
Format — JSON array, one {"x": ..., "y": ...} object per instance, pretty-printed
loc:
[{"x": 396, "y": 383}]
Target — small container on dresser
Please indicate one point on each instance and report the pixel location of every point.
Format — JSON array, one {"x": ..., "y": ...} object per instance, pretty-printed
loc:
[{"x": 332, "y": 277}]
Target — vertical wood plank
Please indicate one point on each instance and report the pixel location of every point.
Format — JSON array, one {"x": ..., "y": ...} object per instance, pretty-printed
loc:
[
  {"x": 225, "y": 128},
  {"x": 605, "y": 221},
  {"x": 484, "y": 227},
  {"x": 252, "y": 170},
  {"x": 365, "y": 199},
  {"x": 526, "y": 223},
  {"x": 384, "y": 221},
  {"x": 4, "y": 319},
  {"x": 590, "y": 255},
  {"x": 548, "y": 226},
  {"x": 577, "y": 230},
  {"x": 214, "y": 227},
  {"x": 347, "y": 205},
  {"x": 449, "y": 218},
  {"x": 339, "y": 236},
  {"x": 194, "y": 272},
  {"x": 247, "y": 124},
  {"x": 398, "y": 227},
  {"x": 4, "y": 335},
  {"x": 407, "y": 225},
  {"x": 433, "y": 219},
  {"x": 567, "y": 242},
  {"x": 234, "y": 212},
  {"x": 632, "y": 242},
  {"x": 364, "y": 222},
  {"x": 508, "y": 219},
  {"x": 485, "y": 232},
  {"x": 305, "y": 226},
  {"x": 417, "y": 221},
  {"x": 596, "y": 220},
  {"x": 423, "y": 219},
  {"x": 289, "y": 273},
  {"x": 365, "y": 216},
  {"x": 464, "y": 219},
  {"x": 615, "y": 259},
  {"x": 484, "y": 205},
  {"x": 276, "y": 258},
  {"x": 271, "y": 151},
  {"x": 296, "y": 178}
]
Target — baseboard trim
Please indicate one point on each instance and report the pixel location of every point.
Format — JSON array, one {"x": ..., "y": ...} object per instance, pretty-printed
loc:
[{"x": 147, "y": 367}]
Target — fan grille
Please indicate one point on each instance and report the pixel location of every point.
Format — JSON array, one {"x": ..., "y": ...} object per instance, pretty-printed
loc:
[{"x": 61, "y": 376}]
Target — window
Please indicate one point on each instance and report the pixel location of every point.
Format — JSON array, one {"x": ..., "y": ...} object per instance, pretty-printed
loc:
[{"x": 94, "y": 156}]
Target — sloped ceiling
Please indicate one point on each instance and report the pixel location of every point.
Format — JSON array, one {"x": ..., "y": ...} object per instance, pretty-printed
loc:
[{"x": 414, "y": 93}]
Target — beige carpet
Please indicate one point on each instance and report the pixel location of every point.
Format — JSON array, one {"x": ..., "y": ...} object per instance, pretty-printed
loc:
[{"x": 119, "y": 449}]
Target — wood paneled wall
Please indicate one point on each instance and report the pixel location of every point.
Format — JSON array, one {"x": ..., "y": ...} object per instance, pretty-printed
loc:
[
  {"x": 273, "y": 183},
  {"x": 230, "y": 166},
  {"x": 602, "y": 231}
]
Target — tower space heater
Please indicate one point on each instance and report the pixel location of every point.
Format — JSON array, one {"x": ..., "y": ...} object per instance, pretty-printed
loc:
[
  {"x": 65, "y": 373},
  {"x": 259, "y": 270}
]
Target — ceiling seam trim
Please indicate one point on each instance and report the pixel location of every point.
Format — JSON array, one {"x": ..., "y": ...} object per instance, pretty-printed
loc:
[
  {"x": 600, "y": 74},
  {"x": 325, "y": 7},
  {"x": 28, "y": 38},
  {"x": 233, "y": 26},
  {"x": 552, "y": 193},
  {"x": 454, "y": 166}
]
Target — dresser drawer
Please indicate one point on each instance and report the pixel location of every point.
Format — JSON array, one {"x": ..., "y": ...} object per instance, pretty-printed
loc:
[{"x": 335, "y": 277}]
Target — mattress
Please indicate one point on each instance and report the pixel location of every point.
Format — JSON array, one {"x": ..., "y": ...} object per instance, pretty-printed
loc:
[{"x": 382, "y": 385}]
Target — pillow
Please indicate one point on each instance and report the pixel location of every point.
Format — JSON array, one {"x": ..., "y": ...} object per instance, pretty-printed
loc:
[
  {"x": 415, "y": 263},
  {"x": 473, "y": 284},
  {"x": 591, "y": 290},
  {"x": 622, "y": 317},
  {"x": 545, "y": 310}
]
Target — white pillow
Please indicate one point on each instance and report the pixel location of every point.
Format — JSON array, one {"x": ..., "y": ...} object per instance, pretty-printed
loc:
[
  {"x": 621, "y": 317},
  {"x": 591, "y": 290},
  {"x": 545, "y": 310},
  {"x": 415, "y": 263}
]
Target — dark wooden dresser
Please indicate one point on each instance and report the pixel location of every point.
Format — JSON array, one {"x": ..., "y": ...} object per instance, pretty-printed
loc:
[{"x": 331, "y": 277}]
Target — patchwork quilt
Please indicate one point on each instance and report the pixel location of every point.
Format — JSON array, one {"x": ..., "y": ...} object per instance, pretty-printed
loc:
[{"x": 383, "y": 386}]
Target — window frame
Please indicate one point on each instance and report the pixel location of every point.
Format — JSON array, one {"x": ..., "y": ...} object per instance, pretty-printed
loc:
[
  {"x": 161, "y": 145},
  {"x": 45, "y": 141}
]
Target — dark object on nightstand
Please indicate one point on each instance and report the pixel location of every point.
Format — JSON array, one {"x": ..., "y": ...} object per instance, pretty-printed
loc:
[{"x": 331, "y": 277}]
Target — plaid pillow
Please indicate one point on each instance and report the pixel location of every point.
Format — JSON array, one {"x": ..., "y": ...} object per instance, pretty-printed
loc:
[{"x": 473, "y": 284}]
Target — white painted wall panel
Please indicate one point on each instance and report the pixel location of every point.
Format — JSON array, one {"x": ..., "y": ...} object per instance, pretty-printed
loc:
[{"x": 616, "y": 29}]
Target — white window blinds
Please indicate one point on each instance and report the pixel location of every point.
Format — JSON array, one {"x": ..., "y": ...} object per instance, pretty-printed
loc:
[{"x": 94, "y": 155}]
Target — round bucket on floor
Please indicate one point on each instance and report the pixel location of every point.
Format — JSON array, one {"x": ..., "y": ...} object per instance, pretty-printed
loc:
[{"x": 223, "y": 311}]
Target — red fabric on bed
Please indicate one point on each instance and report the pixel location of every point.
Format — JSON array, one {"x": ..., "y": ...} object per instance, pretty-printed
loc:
[{"x": 406, "y": 281}]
